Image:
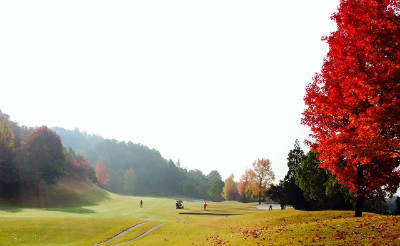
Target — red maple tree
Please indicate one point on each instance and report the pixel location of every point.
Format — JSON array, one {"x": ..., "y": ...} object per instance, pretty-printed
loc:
[
  {"x": 244, "y": 182},
  {"x": 353, "y": 105},
  {"x": 101, "y": 173}
]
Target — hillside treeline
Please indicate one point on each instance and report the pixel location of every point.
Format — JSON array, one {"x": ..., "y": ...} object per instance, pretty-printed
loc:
[
  {"x": 136, "y": 169},
  {"x": 30, "y": 157}
]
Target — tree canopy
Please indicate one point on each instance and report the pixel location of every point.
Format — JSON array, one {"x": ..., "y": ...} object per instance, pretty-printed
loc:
[
  {"x": 261, "y": 177},
  {"x": 230, "y": 189},
  {"x": 216, "y": 189},
  {"x": 353, "y": 104},
  {"x": 320, "y": 186},
  {"x": 42, "y": 156}
]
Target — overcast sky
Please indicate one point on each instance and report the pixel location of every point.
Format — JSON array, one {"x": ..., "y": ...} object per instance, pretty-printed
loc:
[{"x": 215, "y": 84}]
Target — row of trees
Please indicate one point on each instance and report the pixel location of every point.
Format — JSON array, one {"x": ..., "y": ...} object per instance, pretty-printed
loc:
[{"x": 252, "y": 185}]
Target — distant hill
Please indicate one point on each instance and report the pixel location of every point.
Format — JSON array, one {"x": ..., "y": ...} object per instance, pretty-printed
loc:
[
  {"x": 154, "y": 175},
  {"x": 119, "y": 157},
  {"x": 77, "y": 140}
]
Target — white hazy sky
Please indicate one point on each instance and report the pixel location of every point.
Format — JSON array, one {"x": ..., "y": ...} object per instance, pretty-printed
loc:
[{"x": 215, "y": 84}]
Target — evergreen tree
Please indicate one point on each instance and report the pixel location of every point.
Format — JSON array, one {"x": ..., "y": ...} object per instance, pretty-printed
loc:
[{"x": 293, "y": 195}]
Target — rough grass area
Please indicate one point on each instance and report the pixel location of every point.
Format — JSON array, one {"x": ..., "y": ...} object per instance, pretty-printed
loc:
[{"x": 94, "y": 215}]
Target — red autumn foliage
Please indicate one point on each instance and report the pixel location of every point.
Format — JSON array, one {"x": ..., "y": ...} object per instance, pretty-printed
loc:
[
  {"x": 244, "y": 182},
  {"x": 78, "y": 169},
  {"x": 101, "y": 173},
  {"x": 353, "y": 105}
]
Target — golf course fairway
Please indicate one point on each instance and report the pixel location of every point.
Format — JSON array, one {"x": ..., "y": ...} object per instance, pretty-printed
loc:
[{"x": 159, "y": 223}]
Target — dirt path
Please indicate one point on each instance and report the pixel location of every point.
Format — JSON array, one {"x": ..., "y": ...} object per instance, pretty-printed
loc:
[
  {"x": 144, "y": 234},
  {"x": 122, "y": 233}
]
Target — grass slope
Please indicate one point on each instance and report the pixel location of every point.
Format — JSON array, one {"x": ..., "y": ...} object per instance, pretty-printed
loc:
[{"x": 85, "y": 215}]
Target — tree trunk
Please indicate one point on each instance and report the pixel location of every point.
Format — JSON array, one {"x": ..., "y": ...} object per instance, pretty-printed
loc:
[
  {"x": 360, "y": 192},
  {"x": 359, "y": 204},
  {"x": 259, "y": 197}
]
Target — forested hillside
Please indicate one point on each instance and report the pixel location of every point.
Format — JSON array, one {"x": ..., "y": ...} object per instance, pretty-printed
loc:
[
  {"x": 137, "y": 169},
  {"x": 33, "y": 157}
]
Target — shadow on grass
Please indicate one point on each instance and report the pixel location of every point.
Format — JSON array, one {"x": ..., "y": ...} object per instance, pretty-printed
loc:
[
  {"x": 74, "y": 210},
  {"x": 58, "y": 198},
  {"x": 10, "y": 208}
]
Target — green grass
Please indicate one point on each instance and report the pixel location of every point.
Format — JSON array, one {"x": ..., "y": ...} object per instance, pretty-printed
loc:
[{"x": 101, "y": 215}]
